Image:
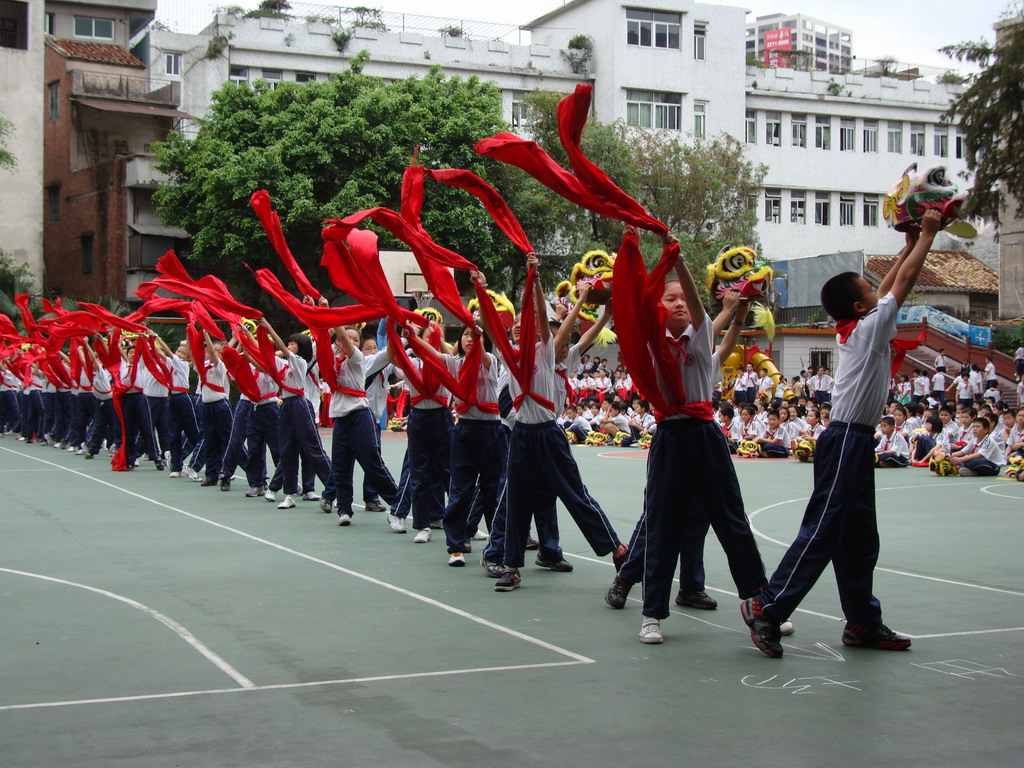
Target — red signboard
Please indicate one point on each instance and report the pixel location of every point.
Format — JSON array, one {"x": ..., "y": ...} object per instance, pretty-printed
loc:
[{"x": 776, "y": 41}]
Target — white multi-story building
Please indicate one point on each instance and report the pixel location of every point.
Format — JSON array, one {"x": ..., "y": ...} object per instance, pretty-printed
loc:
[{"x": 825, "y": 46}]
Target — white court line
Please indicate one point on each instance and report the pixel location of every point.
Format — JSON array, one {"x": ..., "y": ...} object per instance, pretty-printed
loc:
[
  {"x": 969, "y": 632},
  {"x": 168, "y": 622},
  {"x": 985, "y": 489},
  {"x": 579, "y": 658},
  {"x": 27, "y": 470},
  {"x": 951, "y": 582},
  {"x": 285, "y": 686}
]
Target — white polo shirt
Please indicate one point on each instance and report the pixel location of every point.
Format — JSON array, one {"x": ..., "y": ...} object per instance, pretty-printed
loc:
[{"x": 865, "y": 362}]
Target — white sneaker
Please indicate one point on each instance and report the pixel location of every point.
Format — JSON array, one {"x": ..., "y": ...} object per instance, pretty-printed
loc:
[
  {"x": 72, "y": 449},
  {"x": 650, "y": 632},
  {"x": 422, "y": 537},
  {"x": 479, "y": 535},
  {"x": 269, "y": 495},
  {"x": 254, "y": 492},
  {"x": 311, "y": 496},
  {"x": 192, "y": 475},
  {"x": 456, "y": 560},
  {"x": 288, "y": 503},
  {"x": 344, "y": 519},
  {"x": 175, "y": 474},
  {"x": 786, "y": 628},
  {"x": 397, "y": 524},
  {"x": 79, "y": 452}
]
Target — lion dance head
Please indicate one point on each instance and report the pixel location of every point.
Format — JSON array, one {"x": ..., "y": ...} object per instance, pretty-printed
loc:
[
  {"x": 920, "y": 191},
  {"x": 596, "y": 268}
]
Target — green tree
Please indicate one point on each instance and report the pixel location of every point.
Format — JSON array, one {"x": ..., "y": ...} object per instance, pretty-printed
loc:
[
  {"x": 989, "y": 114},
  {"x": 328, "y": 149},
  {"x": 700, "y": 189},
  {"x": 7, "y": 159}
]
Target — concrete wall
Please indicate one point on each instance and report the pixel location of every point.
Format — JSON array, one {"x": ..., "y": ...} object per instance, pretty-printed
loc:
[{"x": 21, "y": 188}]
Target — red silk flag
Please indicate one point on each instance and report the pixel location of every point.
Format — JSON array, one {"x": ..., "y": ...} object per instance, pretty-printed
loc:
[
  {"x": 492, "y": 201},
  {"x": 271, "y": 222}
]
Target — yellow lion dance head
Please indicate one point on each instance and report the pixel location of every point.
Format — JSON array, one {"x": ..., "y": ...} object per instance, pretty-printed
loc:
[
  {"x": 597, "y": 269},
  {"x": 506, "y": 309},
  {"x": 741, "y": 269}
]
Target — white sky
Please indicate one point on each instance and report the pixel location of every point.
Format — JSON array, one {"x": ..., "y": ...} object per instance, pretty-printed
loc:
[{"x": 910, "y": 31}]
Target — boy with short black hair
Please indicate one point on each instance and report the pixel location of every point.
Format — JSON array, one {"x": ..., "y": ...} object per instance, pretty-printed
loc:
[{"x": 839, "y": 522}]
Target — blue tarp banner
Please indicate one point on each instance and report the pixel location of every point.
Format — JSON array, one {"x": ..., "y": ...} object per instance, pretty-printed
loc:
[{"x": 975, "y": 334}]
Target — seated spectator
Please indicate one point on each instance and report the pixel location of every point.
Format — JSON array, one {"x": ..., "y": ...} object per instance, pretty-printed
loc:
[{"x": 892, "y": 450}]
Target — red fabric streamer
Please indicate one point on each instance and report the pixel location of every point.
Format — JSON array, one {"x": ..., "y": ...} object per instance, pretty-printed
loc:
[
  {"x": 271, "y": 222},
  {"x": 492, "y": 201},
  {"x": 210, "y": 290},
  {"x": 240, "y": 370}
]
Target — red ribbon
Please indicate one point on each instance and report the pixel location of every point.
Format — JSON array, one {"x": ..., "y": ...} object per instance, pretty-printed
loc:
[{"x": 260, "y": 202}]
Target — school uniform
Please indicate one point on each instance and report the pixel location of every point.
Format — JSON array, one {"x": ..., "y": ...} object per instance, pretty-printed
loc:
[
  {"x": 920, "y": 388},
  {"x": 10, "y": 388},
  {"x": 158, "y": 399},
  {"x": 748, "y": 383},
  {"x": 182, "y": 415},
  {"x": 217, "y": 416},
  {"x": 479, "y": 446},
  {"x": 494, "y": 552},
  {"x": 940, "y": 363},
  {"x": 377, "y": 369},
  {"x": 823, "y": 388},
  {"x": 236, "y": 454},
  {"x": 773, "y": 450},
  {"x": 541, "y": 470},
  {"x": 83, "y": 408},
  {"x": 261, "y": 435},
  {"x": 991, "y": 380},
  {"x": 691, "y": 485},
  {"x": 297, "y": 433},
  {"x": 429, "y": 452},
  {"x": 138, "y": 425},
  {"x": 839, "y": 523},
  {"x": 991, "y": 458},
  {"x": 922, "y": 442},
  {"x": 104, "y": 421},
  {"x": 355, "y": 437},
  {"x": 893, "y": 449}
]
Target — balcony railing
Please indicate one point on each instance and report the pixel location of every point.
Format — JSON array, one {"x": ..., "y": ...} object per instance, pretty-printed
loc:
[
  {"x": 141, "y": 171},
  {"x": 126, "y": 88}
]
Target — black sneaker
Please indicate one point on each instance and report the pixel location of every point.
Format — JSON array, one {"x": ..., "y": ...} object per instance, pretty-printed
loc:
[
  {"x": 563, "y": 566},
  {"x": 617, "y": 593},
  {"x": 532, "y": 543},
  {"x": 160, "y": 466},
  {"x": 225, "y": 483},
  {"x": 763, "y": 631},
  {"x": 494, "y": 570},
  {"x": 374, "y": 506},
  {"x": 696, "y": 600},
  {"x": 207, "y": 482},
  {"x": 437, "y": 525},
  {"x": 509, "y": 580},
  {"x": 874, "y": 636}
]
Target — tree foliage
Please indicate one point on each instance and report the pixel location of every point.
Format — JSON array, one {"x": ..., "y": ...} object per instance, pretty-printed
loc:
[
  {"x": 328, "y": 149},
  {"x": 990, "y": 112},
  {"x": 7, "y": 160}
]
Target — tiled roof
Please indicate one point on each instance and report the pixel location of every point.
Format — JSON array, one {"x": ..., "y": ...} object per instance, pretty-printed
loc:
[
  {"x": 101, "y": 53},
  {"x": 944, "y": 271}
]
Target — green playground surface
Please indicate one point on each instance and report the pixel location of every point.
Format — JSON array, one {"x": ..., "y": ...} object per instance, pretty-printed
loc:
[{"x": 150, "y": 622}]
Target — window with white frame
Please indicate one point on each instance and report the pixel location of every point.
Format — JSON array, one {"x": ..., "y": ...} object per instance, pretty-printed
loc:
[
  {"x": 823, "y": 132},
  {"x": 238, "y": 75},
  {"x": 941, "y": 140},
  {"x": 751, "y": 127},
  {"x": 172, "y": 63},
  {"x": 48, "y": 23},
  {"x": 846, "y": 133},
  {"x": 98, "y": 29},
  {"x": 870, "y": 210},
  {"x": 773, "y": 128},
  {"x": 846, "y": 208},
  {"x": 305, "y": 77},
  {"x": 917, "y": 139},
  {"x": 961, "y": 146},
  {"x": 895, "y": 138},
  {"x": 700, "y": 118},
  {"x": 822, "y": 208},
  {"x": 799, "y": 123},
  {"x": 870, "y": 136},
  {"x": 773, "y": 205},
  {"x": 700, "y": 40},
  {"x": 519, "y": 109},
  {"x": 273, "y": 76},
  {"x": 798, "y": 206},
  {"x": 652, "y": 29},
  {"x": 653, "y": 109}
]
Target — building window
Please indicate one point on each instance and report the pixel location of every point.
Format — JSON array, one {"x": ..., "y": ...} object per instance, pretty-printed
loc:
[
  {"x": 822, "y": 132},
  {"x": 798, "y": 207},
  {"x": 53, "y": 203},
  {"x": 773, "y": 205},
  {"x": 700, "y": 39},
  {"x": 273, "y": 76},
  {"x": 700, "y": 118},
  {"x": 305, "y": 77},
  {"x": 799, "y": 130},
  {"x": 822, "y": 208},
  {"x": 172, "y": 63},
  {"x": 86, "y": 254},
  {"x": 53, "y": 89},
  {"x": 846, "y": 143},
  {"x": 773, "y": 128},
  {"x": 870, "y": 136},
  {"x": 14, "y": 25},
  {"x": 870, "y": 211},
  {"x": 941, "y": 141},
  {"x": 99, "y": 29},
  {"x": 917, "y": 139},
  {"x": 238, "y": 75},
  {"x": 751, "y": 127},
  {"x": 961, "y": 146},
  {"x": 48, "y": 23},
  {"x": 654, "y": 109},
  {"x": 895, "y": 143},
  {"x": 655, "y": 29},
  {"x": 519, "y": 109},
  {"x": 846, "y": 207}
]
